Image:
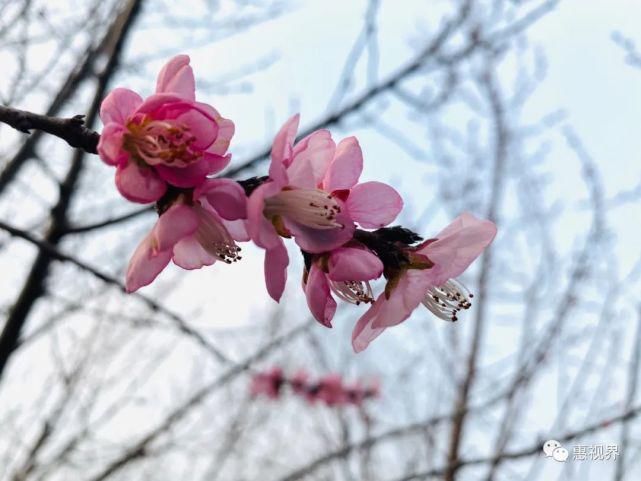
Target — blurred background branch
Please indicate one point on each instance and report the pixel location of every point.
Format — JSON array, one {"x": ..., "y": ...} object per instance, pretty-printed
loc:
[{"x": 519, "y": 111}]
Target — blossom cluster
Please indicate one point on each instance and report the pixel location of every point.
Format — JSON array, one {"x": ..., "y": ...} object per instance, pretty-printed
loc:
[
  {"x": 168, "y": 148},
  {"x": 330, "y": 390}
]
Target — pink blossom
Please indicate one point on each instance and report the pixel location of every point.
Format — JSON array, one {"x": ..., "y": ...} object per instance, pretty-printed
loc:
[
  {"x": 312, "y": 194},
  {"x": 453, "y": 250},
  {"x": 345, "y": 272},
  {"x": 299, "y": 382},
  {"x": 169, "y": 138},
  {"x": 331, "y": 390},
  {"x": 267, "y": 384},
  {"x": 196, "y": 230}
]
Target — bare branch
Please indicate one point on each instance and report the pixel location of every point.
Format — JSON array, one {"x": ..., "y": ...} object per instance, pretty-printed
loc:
[
  {"x": 50, "y": 251},
  {"x": 72, "y": 130},
  {"x": 534, "y": 449},
  {"x": 33, "y": 287},
  {"x": 633, "y": 381},
  {"x": 138, "y": 450},
  {"x": 501, "y": 142}
]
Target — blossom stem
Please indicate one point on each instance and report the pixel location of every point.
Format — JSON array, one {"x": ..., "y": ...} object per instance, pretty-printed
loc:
[{"x": 386, "y": 243}]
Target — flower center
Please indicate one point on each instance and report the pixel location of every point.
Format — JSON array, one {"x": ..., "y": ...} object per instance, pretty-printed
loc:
[
  {"x": 160, "y": 142},
  {"x": 447, "y": 300},
  {"x": 353, "y": 292},
  {"x": 215, "y": 238},
  {"x": 311, "y": 207}
]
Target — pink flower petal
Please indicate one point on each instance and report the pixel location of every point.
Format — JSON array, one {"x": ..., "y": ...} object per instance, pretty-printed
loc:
[
  {"x": 177, "y": 77},
  {"x": 300, "y": 175},
  {"x": 346, "y": 168},
  {"x": 110, "y": 144},
  {"x": 321, "y": 240},
  {"x": 282, "y": 145},
  {"x": 145, "y": 265},
  {"x": 119, "y": 105},
  {"x": 373, "y": 204},
  {"x": 319, "y": 299},
  {"x": 354, "y": 264},
  {"x": 216, "y": 162},
  {"x": 260, "y": 229},
  {"x": 406, "y": 296},
  {"x": 226, "y": 129},
  {"x": 189, "y": 254},
  {"x": 225, "y": 133},
  {"x": 224, "y": 195},
  {"x": 139, "y": 184},
  {"x": 201, "y": 125},
  {"x": 276, "y": 262},
  {"x": 188, "y": 115},
  {"x": 193, "y": 174},
  {"x": 153, "y": 103},
  {"x": 458, "y": 245},
  {"x": 310, "y": 160},
  {"x": 364, "y": 331},
  {"x": 237, "y": 229},
  {"x": 282, "y": 151},
  {"x": 278, "y": 174},
  {"x": 178, "y": 222}
]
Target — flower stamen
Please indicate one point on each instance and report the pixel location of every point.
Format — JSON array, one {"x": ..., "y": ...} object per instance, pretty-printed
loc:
[
  {"x": 353, "y": 292},
  {"x": 215, "y": 239},
  {"x": 158, "y": 141},
  {"x": 446, "y": 301},
  {"x": 311, "y": 207}
]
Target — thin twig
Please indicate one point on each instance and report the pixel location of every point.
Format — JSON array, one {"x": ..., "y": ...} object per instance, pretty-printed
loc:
[
  {"x": 535, "y": 448},
  {"x": 54, "y": 253},
  {"x": 34, "y": 286},
  {"x": 77, "y": 75},
  {"x": 140, "y": 448},
  {"x": 80, "y": 229},
  {"x": 498, "y": 171},
  {"x": 633, "y": 381}
]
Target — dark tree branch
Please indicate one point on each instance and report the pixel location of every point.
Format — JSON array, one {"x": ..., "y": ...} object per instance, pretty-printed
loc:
[
  {"x": 140, "y": 448},
  {"x": 532, "y": 450},
  {"x": 370, "y": 94},
  {"x": 80, "y": 72},
  {"x": 34, "y": 286},
  {"x": 72, "y": 130},
  {"x": 109, "y": 222},
  {"x": 389, "y": 435},
  {"x": 53, "y": 253},
  {"x": 501, "y": 141},
  {"x": 633, "y": 380},
  {"x": 431, "y": 51}
]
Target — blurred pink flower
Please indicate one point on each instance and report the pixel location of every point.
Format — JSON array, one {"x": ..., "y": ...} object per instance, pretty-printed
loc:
[
  {"x": 299, "y": 382},
  {"x": 331, "y": 390},
  {"x": 312, "y": 194},
  {"x": 167, "y": 139},
  {"x": 453, "y": 250},
  {"x": 267, "y": 384},
  {"x": 193, "y": 232},
  {"x": 344, "y": 271}
]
